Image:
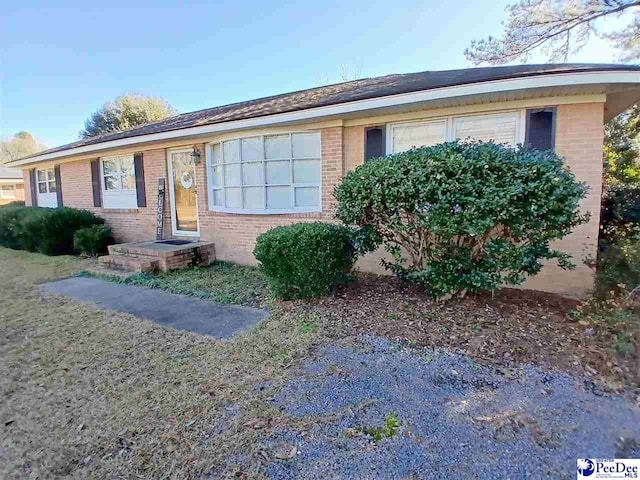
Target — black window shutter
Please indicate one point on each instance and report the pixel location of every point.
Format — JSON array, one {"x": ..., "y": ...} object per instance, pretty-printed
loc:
[
  {"x": 95, "y": 183},
  {"x": 541, "y": 128},
  {"x": 139, "y": 168},
  {"x": 56, "y": 171},
  {"x": 374, "y": 144},
  {"x": 34, "y": 187}
]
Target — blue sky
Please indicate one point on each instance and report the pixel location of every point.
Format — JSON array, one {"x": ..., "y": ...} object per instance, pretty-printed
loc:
[{"x": 59, "y": 64}]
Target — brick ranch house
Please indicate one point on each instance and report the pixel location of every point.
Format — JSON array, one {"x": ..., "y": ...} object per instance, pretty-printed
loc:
[
  {"x": 11, "y": 185},
  {"x": 235, "y": 171}
]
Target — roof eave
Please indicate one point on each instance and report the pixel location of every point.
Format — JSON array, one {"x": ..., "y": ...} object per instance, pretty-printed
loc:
[{"x": 359, "y": 106}]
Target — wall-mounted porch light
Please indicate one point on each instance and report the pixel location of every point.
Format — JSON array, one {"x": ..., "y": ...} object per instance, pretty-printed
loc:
[{"x": 196, "y": 155}]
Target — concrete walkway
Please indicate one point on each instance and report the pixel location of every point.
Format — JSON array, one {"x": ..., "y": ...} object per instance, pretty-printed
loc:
[{"x": 175, "y": 311}]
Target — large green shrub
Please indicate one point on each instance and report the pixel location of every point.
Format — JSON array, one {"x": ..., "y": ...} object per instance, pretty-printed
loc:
[
  {"x": 465, "y": 216},
  {"x": 92, "y": 240},
  {"x": 308, "y": 259},
  {"x": 45, "y": 230}
]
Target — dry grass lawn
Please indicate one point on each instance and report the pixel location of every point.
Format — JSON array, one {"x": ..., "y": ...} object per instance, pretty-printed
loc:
[
  {"x": 86, "y": 393},
  {"x": 93, "y": 394}
]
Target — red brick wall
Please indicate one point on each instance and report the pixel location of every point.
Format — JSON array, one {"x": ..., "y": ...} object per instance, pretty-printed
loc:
[
  {"x": 127, "y": 225},
  {"x": 579, "y": 139},
  {"x": 27, "y": 189},
  {"x": 234, "y": 235}
]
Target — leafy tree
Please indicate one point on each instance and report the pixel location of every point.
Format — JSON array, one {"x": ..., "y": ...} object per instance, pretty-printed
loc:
[
  {"x": 20, "y": 145},
  {"x": 621, "y": 154},
  {"x": 465, "y": 216},
  {"x": 125, "y": 112},
  {"x": 558, "y": 27}
]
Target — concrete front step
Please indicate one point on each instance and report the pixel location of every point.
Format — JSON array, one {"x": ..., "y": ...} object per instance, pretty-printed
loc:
[{"x": 132, "y": 264}]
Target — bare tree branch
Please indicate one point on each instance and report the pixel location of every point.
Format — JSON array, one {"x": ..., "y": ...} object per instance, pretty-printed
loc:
[{"x": 559, "y": 27}]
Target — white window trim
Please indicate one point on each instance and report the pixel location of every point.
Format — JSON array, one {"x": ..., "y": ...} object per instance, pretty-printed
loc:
[
  {"x": 449, "y": 131},
  {"x": 125, "y": 199},
  {"x": 293, "y": 185}
]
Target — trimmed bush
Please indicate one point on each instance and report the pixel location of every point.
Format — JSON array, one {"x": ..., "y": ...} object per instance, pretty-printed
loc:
[
  {"x": 45, "y": 230},
  {"x": 465, "y": 216},
  {"x": 308, "y": 259},
  {"x": 10, "y": 218},
  {"x": 92, "y": 240}
]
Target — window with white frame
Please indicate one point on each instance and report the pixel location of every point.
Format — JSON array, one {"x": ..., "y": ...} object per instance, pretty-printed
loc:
[
  {"x": 46, "y": 179},
  {"x": 118, "y": 182},
  {"x": 7, "y": 191},
  {"x": 46, "y": 188},
  {"x": 404, "y": 136},
  {"x": 500, "y": 127},
  {"x": 265, "y": 174}
]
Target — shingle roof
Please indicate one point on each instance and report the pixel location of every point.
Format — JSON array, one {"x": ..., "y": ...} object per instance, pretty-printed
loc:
[
  {"x": 366, "y": 88},
  {"x": 10, "y": 172}
]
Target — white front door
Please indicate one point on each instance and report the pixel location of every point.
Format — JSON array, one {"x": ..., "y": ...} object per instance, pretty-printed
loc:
[{"x": 182, "y": 193}]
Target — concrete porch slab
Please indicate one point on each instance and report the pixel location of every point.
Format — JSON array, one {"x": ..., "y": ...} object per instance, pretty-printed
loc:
[{"x": 168, "y": 309}]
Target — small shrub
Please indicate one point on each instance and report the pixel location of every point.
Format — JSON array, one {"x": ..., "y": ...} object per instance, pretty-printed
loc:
[
  {"x": 307, "y": 259},
  {"x": 465, "y": 216},
  {"x": 616, "y": 320},
  {"x": 45, "y": 230},
  {"x": 92, "y": 240}
]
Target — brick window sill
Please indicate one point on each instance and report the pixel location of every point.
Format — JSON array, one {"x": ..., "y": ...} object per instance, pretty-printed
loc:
[
  {"x": 120, "y": 210},
  {"x": 212, "y": 213}
]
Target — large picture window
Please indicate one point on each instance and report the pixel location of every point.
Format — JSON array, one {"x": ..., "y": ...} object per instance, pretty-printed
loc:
[
  {"x": 499, "y": 127},
  {"x": 265, "y": 174},
  {"x": 118, "y": 182}
]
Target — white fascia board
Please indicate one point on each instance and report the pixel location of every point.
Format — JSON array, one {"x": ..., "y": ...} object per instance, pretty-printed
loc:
[{"x": 494, "y": 86}]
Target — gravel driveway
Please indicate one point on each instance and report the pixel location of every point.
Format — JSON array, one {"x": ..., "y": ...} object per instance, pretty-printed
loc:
[{"x": 457, "y": 419}]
